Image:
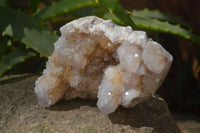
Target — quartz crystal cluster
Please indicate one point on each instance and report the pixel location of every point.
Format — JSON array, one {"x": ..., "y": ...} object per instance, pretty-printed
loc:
[{"x": 95, "y": 58}]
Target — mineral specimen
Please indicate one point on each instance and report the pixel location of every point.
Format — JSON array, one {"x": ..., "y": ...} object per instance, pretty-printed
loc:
[{"x": 95, "y": 58}]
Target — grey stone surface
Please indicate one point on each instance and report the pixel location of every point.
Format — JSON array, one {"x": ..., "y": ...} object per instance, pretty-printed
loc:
[
  {"x": 187, "y": 122},
  {"x": 189, "y": 126},
  {"x": 21, "y": 113}
]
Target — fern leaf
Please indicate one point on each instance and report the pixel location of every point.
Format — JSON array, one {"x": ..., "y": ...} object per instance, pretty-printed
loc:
[
  {"x": 27, "y": 30},
  {"x": 5, "y": 46},
  {"x": 34, "y": 4},
  {"x": 13, "y": 58},
  {"x": 3, "y": 2}
]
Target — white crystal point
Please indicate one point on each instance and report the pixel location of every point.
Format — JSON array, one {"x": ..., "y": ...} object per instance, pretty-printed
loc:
[
  {"x": 95, "y": 58},
  {"x": 110, "y": 90}
]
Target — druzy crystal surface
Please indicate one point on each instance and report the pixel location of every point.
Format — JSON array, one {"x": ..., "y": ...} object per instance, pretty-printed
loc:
[{"x": 95, "y": 58}]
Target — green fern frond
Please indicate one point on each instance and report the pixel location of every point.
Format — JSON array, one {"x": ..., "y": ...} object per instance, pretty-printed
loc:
[
  {"x": 27, "y": 30},
  {"x": 16, "y": 56}
]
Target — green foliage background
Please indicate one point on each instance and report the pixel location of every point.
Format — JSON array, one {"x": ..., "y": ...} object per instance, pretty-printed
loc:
[{"x": 26, "y": 35}]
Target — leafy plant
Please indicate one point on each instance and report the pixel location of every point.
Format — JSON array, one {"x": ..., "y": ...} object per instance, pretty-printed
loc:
[{"x": 24, "y": 36}]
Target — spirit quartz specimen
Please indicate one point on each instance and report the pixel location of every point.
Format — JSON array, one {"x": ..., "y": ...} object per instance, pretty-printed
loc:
[{"x": 95, "y": 58}]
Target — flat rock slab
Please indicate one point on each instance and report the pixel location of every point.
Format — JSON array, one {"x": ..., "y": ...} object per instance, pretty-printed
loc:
[{"x": 21, "y": 113}]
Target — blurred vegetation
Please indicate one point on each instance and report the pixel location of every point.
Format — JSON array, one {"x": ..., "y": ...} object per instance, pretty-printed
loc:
[{"x": 30, "y": 27}]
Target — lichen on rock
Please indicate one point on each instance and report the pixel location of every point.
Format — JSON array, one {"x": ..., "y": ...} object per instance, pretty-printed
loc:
[{"x": 95, "y": 58}]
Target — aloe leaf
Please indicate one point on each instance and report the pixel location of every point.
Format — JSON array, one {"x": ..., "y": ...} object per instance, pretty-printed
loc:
[
  {"x": 157, "y": 26},
  {"x": 66, "y": 6},
  {"x": 83, "y": 12},
  {"x": 27, "y": 30},
  {"x": 62, "y": 7},
  {"x": 13, "y": 58},
  {"x": 115, "y": 8},
  {"x": 156, "y": 14},
  {"x": 103, "y": 13},
  {"x": 165, "y": 27}
]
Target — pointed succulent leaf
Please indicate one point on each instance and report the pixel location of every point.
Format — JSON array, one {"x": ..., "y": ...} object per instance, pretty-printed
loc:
[
  {"x": 103, "y": 13},
  {"x": 62, "y": 7},
  {"x": 165, "y": 27},
  {"x": 115, "y": 8},
  {"x": 66, "y": 6},
  {"x": 156, "y": 14},
  {"x": 157, "y": 26}
]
